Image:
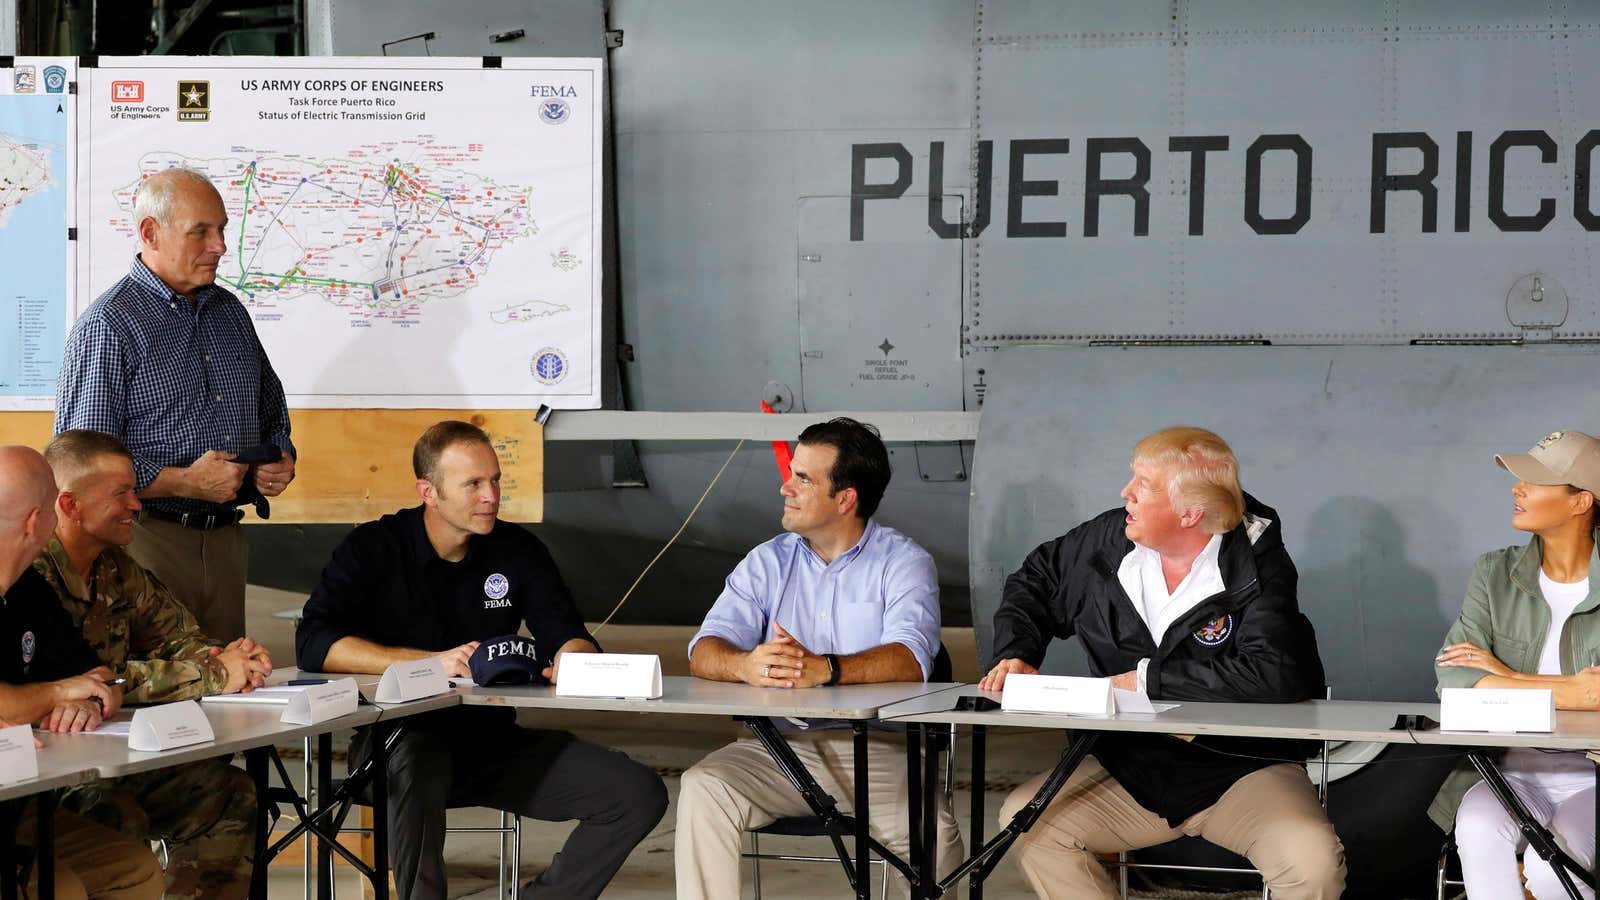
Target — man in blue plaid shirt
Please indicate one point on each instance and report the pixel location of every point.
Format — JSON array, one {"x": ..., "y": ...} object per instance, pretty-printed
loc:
[{"x": 169, "y": 362}]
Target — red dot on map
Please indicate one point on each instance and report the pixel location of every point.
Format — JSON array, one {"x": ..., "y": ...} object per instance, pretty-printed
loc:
[{"x": 480, "y": 243}]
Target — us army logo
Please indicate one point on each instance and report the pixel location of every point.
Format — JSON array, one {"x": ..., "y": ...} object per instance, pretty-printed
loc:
[{"x": 194, "y": 101}]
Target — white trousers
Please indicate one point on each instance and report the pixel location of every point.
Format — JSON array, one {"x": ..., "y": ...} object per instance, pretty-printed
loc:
[
  {"x": 739, "y": 787},
  {"x": 1488, "y": 839}
]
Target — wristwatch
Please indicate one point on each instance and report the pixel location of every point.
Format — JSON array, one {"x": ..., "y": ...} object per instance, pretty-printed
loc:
[{"x": 833, "y": 669}]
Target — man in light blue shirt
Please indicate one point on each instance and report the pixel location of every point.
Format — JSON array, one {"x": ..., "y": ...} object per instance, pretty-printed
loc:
[{"x": 837, "y": 599}]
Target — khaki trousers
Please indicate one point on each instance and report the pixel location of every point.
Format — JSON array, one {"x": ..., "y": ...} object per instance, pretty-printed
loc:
[
  {"x": 1270, "y": 817},
  {"x": 204, "y": 569},
  {"x": 739, "y": 787},
  {"x": 93, "y": 862}
]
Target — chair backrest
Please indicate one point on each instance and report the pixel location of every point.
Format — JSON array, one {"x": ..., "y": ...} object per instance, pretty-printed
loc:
[
  {"x": 942, "y": 669},
  {"x": 1380, "y": 461}
]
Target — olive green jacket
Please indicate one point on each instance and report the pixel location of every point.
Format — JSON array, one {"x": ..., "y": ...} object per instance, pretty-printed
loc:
[{"x": 1506, "y": 614}]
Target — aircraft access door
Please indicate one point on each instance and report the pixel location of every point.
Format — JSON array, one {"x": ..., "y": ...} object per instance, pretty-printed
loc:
[{"x": 880, "y": 320}]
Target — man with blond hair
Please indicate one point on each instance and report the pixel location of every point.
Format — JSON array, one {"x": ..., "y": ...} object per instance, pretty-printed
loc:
[{"x": 1185, "y": 593}]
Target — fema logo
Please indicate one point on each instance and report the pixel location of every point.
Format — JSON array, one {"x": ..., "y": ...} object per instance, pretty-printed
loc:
[
  {"x": 1215, "y": 631},
  {"x": 27, "y": 647},
  {"x": 549, "y": 366},
  {"x": 55, "y": 79},
  {"x": 495, "y": 587},
  {"x": 554, "y": 112}
]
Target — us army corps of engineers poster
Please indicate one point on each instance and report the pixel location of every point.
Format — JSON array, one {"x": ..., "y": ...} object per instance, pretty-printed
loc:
[{"x": 406, "y": 233}]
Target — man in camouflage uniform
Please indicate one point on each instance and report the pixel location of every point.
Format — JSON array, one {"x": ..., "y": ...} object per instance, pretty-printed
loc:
[{"x": 205, "y": 811}]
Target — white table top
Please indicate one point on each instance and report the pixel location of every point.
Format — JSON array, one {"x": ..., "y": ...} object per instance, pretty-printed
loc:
[
  {"x": 1321, "y": 720},
  {"x": 696, "y": 696},
  {"x": 57, "y": 771},
  {"x": 237, "y": 727}
]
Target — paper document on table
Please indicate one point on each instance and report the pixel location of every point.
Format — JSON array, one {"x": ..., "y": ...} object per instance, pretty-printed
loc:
[
  {"x": 273, "y": 693},
  {"x": 114, "y": 728},
  {"x": 1139, "y": 702}
]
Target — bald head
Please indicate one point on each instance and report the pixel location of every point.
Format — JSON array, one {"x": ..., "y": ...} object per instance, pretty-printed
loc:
[
  {"x": 26, "y": 484},
  {"x": 27, "y": 510}
]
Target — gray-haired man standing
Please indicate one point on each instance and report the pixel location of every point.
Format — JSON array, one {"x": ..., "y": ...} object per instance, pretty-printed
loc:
[{"x": 169, "y": 362}]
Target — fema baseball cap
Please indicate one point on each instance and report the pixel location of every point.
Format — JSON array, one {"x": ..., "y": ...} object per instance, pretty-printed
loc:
[
  {"x": 1563, "y": 457},
  {"x": 507, "y": 659}
]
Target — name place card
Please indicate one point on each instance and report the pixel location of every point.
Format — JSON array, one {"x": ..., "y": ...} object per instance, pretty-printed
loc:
[
  {"x": 321, "y": 702},
  {"x": 629, "y": 675},
  {"x": 19, "y": 758},
  {"x": 169, "y": 726},
  {"x": 1497, "y": 709},
  {"x": 407, "y": 681},
  {"x": 1066, "y": 694}
]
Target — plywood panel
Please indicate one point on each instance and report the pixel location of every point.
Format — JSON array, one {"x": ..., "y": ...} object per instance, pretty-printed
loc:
[{"x": 355, "y": 464}]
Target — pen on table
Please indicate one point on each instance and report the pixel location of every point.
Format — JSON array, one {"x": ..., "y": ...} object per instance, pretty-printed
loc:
[{"x": 304, "y": 682}]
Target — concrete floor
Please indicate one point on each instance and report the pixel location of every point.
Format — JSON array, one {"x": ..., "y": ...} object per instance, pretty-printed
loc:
[{"x": 670, "y": 744}]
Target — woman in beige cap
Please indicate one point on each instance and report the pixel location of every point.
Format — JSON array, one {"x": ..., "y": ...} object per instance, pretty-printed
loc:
[{"x": 1531, "y": 619}]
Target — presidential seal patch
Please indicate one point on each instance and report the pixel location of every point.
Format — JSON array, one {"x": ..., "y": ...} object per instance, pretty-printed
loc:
[
  {"x": 1215, "y": 631},
  {"x": 496, "y": 587}
]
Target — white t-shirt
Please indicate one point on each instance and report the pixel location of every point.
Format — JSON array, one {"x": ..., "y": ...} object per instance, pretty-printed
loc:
[{"x": 1537, "y": 764}]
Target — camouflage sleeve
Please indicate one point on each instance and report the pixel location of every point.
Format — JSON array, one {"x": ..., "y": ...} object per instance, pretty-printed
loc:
[
  {"x": 166, "y": 681},
  {"x": 169, "y": 656}
]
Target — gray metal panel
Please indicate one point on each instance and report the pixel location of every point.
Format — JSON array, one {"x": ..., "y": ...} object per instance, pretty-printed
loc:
[
  {"x": 1333, "y": 73},
  {"x": 728, "y": 112},
  {"x": 880, "y": 322},
  {"x": 1379, "y": 460},
  {"x": 8, "y": 27},
  {"x": 552, "y": 27}
]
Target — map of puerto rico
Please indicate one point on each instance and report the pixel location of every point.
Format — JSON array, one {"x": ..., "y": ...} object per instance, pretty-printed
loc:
[
  {"x": 25, "y": 174},
  {"x": 380, "y": 230},
  {"x": 35, "y": 255}
]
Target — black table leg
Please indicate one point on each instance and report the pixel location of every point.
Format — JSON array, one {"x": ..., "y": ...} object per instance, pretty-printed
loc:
[
  {"x": 930, "y": 810},
  {"x": 863, "y": 862},
  {"x": 914, "y": 816},
  {"x": 380, "y": 818},
  {"x": 980, "y": 788},
  {"x": 47, "y": 844},
  {"x": 1539, "y": 839},
  {"x": 255, "y": 765},
  {"x": 324, "y": 793},
  {"x": 983, "y": 861},
  {"x": 824, "y": 807},
  {"x": 11, "y": 814}
]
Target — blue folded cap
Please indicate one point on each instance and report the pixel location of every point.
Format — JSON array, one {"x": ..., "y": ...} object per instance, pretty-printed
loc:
[{"x": 507, "y": 659}]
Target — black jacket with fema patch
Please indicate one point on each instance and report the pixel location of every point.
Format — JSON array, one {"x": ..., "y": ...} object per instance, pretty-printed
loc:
[
  {"x": 1247, "y": 644},
  {"x": 386, "y": 584},
  {"x": 38, "y": 641}
]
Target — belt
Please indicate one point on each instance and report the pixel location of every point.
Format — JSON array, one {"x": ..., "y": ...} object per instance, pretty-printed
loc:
[{"x": 199, "y": 521}]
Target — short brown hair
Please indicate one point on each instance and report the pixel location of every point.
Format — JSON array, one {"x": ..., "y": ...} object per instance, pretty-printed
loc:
[
  {"x": 440, "y": 437},
  {"x": 71, "y": 452}
]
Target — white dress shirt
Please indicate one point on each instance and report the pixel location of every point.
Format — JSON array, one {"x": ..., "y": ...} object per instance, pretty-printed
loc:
[{"x": 1141, "y": 576}]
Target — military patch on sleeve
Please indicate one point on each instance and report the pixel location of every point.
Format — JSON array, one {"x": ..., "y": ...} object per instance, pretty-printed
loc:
[{"x": 1215, "y": 631}]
